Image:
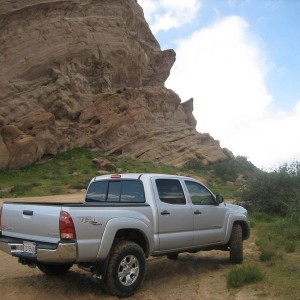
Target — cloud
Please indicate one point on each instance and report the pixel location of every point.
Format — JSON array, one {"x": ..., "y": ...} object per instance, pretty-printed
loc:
[
  {"x": 164, "y": 15},
  {"x": 224, "y": 69}
]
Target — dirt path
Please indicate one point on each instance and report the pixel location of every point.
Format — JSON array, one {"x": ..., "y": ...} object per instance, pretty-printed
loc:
[{"x": 192, "y": 276}]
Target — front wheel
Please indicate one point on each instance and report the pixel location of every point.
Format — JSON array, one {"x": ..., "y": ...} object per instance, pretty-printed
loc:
[
  {"x": 54, "y": 269},
  {"x": 236, "y": 244},
  {"x": 126, "y": 269}
]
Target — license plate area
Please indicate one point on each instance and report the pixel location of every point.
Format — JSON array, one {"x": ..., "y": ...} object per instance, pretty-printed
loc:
[{"x": 29, "y": 247}]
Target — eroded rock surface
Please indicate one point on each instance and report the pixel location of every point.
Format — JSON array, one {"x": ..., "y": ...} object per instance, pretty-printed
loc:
[{"x": 90, "y": 74}]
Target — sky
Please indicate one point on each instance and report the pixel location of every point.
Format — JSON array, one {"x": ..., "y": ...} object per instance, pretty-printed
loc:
[{"x": 240, "y": 62}]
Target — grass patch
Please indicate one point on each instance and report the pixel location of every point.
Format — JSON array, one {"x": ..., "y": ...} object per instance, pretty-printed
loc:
[
  {"x": 242, "y": 275},
  {"x": 21, "y": 189},
  {"x": 263, "y": 217},
  {"x": 276, "y": 236},
  {"x": 56, "y": 176},
  {"x": 278, "y": 239}
]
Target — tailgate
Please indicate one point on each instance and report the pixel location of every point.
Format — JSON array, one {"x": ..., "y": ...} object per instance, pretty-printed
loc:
[{"x": 31, "y": 222}]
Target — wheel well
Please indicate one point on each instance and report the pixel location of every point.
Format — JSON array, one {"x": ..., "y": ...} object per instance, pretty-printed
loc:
[
  {"x": 136, "y": 236},
  {"x": 245, "y": 229}
]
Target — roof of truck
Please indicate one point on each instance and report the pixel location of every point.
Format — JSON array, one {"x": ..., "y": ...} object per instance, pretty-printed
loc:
[{"x": 135, "y": 176}]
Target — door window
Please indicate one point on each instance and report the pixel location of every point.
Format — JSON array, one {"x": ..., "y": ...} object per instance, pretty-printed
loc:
[
  {"x": 199, "y": 194},
  {"x": 170, "y": 191}
]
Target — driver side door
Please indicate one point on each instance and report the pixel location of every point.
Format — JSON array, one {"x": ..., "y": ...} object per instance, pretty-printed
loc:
[{"x": 209, "y": 218}]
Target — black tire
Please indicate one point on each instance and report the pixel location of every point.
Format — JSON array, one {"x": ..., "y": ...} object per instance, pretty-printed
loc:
[
  {"x": 126, "y": 269},
  {"x": 172, "y": 256},
  {"x": 236, "y": 245},
  {"x": 53, "y": 269}
]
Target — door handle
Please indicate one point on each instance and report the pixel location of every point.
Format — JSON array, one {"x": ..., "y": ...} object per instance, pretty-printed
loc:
[
  {"x": 165, "y": 213},
  {"x": 197, "y": 212},
  {"x": 27, "y": 212}
]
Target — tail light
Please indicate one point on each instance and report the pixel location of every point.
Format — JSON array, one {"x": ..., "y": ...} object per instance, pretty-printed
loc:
[
  {"x": 0, "y": 219},
  {"x": 66, "y": 226}
]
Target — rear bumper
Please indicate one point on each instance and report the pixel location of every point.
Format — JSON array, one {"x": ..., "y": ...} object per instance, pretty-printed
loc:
[{"x": 63, "y": 252}]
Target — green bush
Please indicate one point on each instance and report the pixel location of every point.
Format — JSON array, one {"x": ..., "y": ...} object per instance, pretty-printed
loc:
[
  {"x": 267, "y": 255},
  {"x": 230, "y": 169},
  {"x": 195, "y": 164},
  {"x": 5, "y": 195},
  {"x": 290, "y": 247},
  {"x": 241, "y": 275},
  {"x": 276, "y": 192}
]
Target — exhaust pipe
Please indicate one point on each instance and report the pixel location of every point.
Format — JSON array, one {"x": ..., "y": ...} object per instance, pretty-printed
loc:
[
  {"x": 87, "y": 268},
  {"x": 23, "y": 261},
  {"x": 29, "y": 263}
]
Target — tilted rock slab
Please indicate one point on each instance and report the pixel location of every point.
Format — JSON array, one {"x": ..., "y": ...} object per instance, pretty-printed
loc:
[{"x": 90, "y": 74}]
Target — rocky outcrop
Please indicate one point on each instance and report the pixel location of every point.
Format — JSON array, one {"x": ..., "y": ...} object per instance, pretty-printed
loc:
[{"x": 90, "y": 74}]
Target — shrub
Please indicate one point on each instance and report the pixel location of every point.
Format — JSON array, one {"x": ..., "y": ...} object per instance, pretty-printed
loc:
[
  {"x": 275, "y": 193},
  {"x": 4, "y": 194},
  {"x": 290, "y": 247},
  {"x": 267, "y": 255},
  {"x": 230, "y": 169},
  {"x": 195, "y": 164},
  {"x": 78, "y": 185},
  {"x": 241, "y": 275}
]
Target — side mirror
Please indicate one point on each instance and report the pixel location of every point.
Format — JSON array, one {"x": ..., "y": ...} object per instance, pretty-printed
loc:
[{"x": 219, "y": 199}]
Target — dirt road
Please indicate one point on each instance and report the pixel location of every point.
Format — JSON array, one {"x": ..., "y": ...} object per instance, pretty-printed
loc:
[{"x": 191, "y": 276}]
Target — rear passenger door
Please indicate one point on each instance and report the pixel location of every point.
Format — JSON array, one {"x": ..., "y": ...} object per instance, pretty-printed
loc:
[{"x": 175, "y": 216}]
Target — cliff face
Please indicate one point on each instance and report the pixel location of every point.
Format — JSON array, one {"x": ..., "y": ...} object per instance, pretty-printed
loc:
[{"x": 90, "y": 74}]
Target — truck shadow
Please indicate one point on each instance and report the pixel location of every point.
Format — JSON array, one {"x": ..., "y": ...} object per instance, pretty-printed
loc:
[
  {"x": 187, "y": 265},
  {"x": 160, "y": 272}
]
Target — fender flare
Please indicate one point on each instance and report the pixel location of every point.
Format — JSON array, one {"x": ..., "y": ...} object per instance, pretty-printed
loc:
[
  {"x": 116, "y": 224},
  {"x": 240, "y": 219}
]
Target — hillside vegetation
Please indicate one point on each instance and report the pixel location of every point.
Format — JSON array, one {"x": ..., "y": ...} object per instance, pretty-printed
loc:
[
  {"x": 71, "y": 171},
  {"x": 276, "y": 193}
]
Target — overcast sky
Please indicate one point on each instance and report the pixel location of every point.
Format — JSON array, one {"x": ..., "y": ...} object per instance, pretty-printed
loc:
[{"x": 240, "y": 61}]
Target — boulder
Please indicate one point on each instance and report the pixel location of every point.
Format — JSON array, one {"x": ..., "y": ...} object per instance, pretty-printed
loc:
[{"x": 103, "y": 164}]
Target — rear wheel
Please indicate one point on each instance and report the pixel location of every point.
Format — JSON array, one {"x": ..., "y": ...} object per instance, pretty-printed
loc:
[
  {"x": 236, "y": 244},
  {"x": 126, "y": 269},
  {"x": 53, "y": 269}
]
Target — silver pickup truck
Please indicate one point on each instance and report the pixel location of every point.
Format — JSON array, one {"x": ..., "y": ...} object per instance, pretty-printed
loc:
[{"x": 125, "y": 219}]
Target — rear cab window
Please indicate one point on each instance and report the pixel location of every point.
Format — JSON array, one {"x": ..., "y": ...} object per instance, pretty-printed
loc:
[{"x": 116, "y": 191}]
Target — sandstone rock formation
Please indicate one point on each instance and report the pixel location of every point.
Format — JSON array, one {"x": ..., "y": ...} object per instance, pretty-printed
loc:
[{"x": 89, "y": 73}]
